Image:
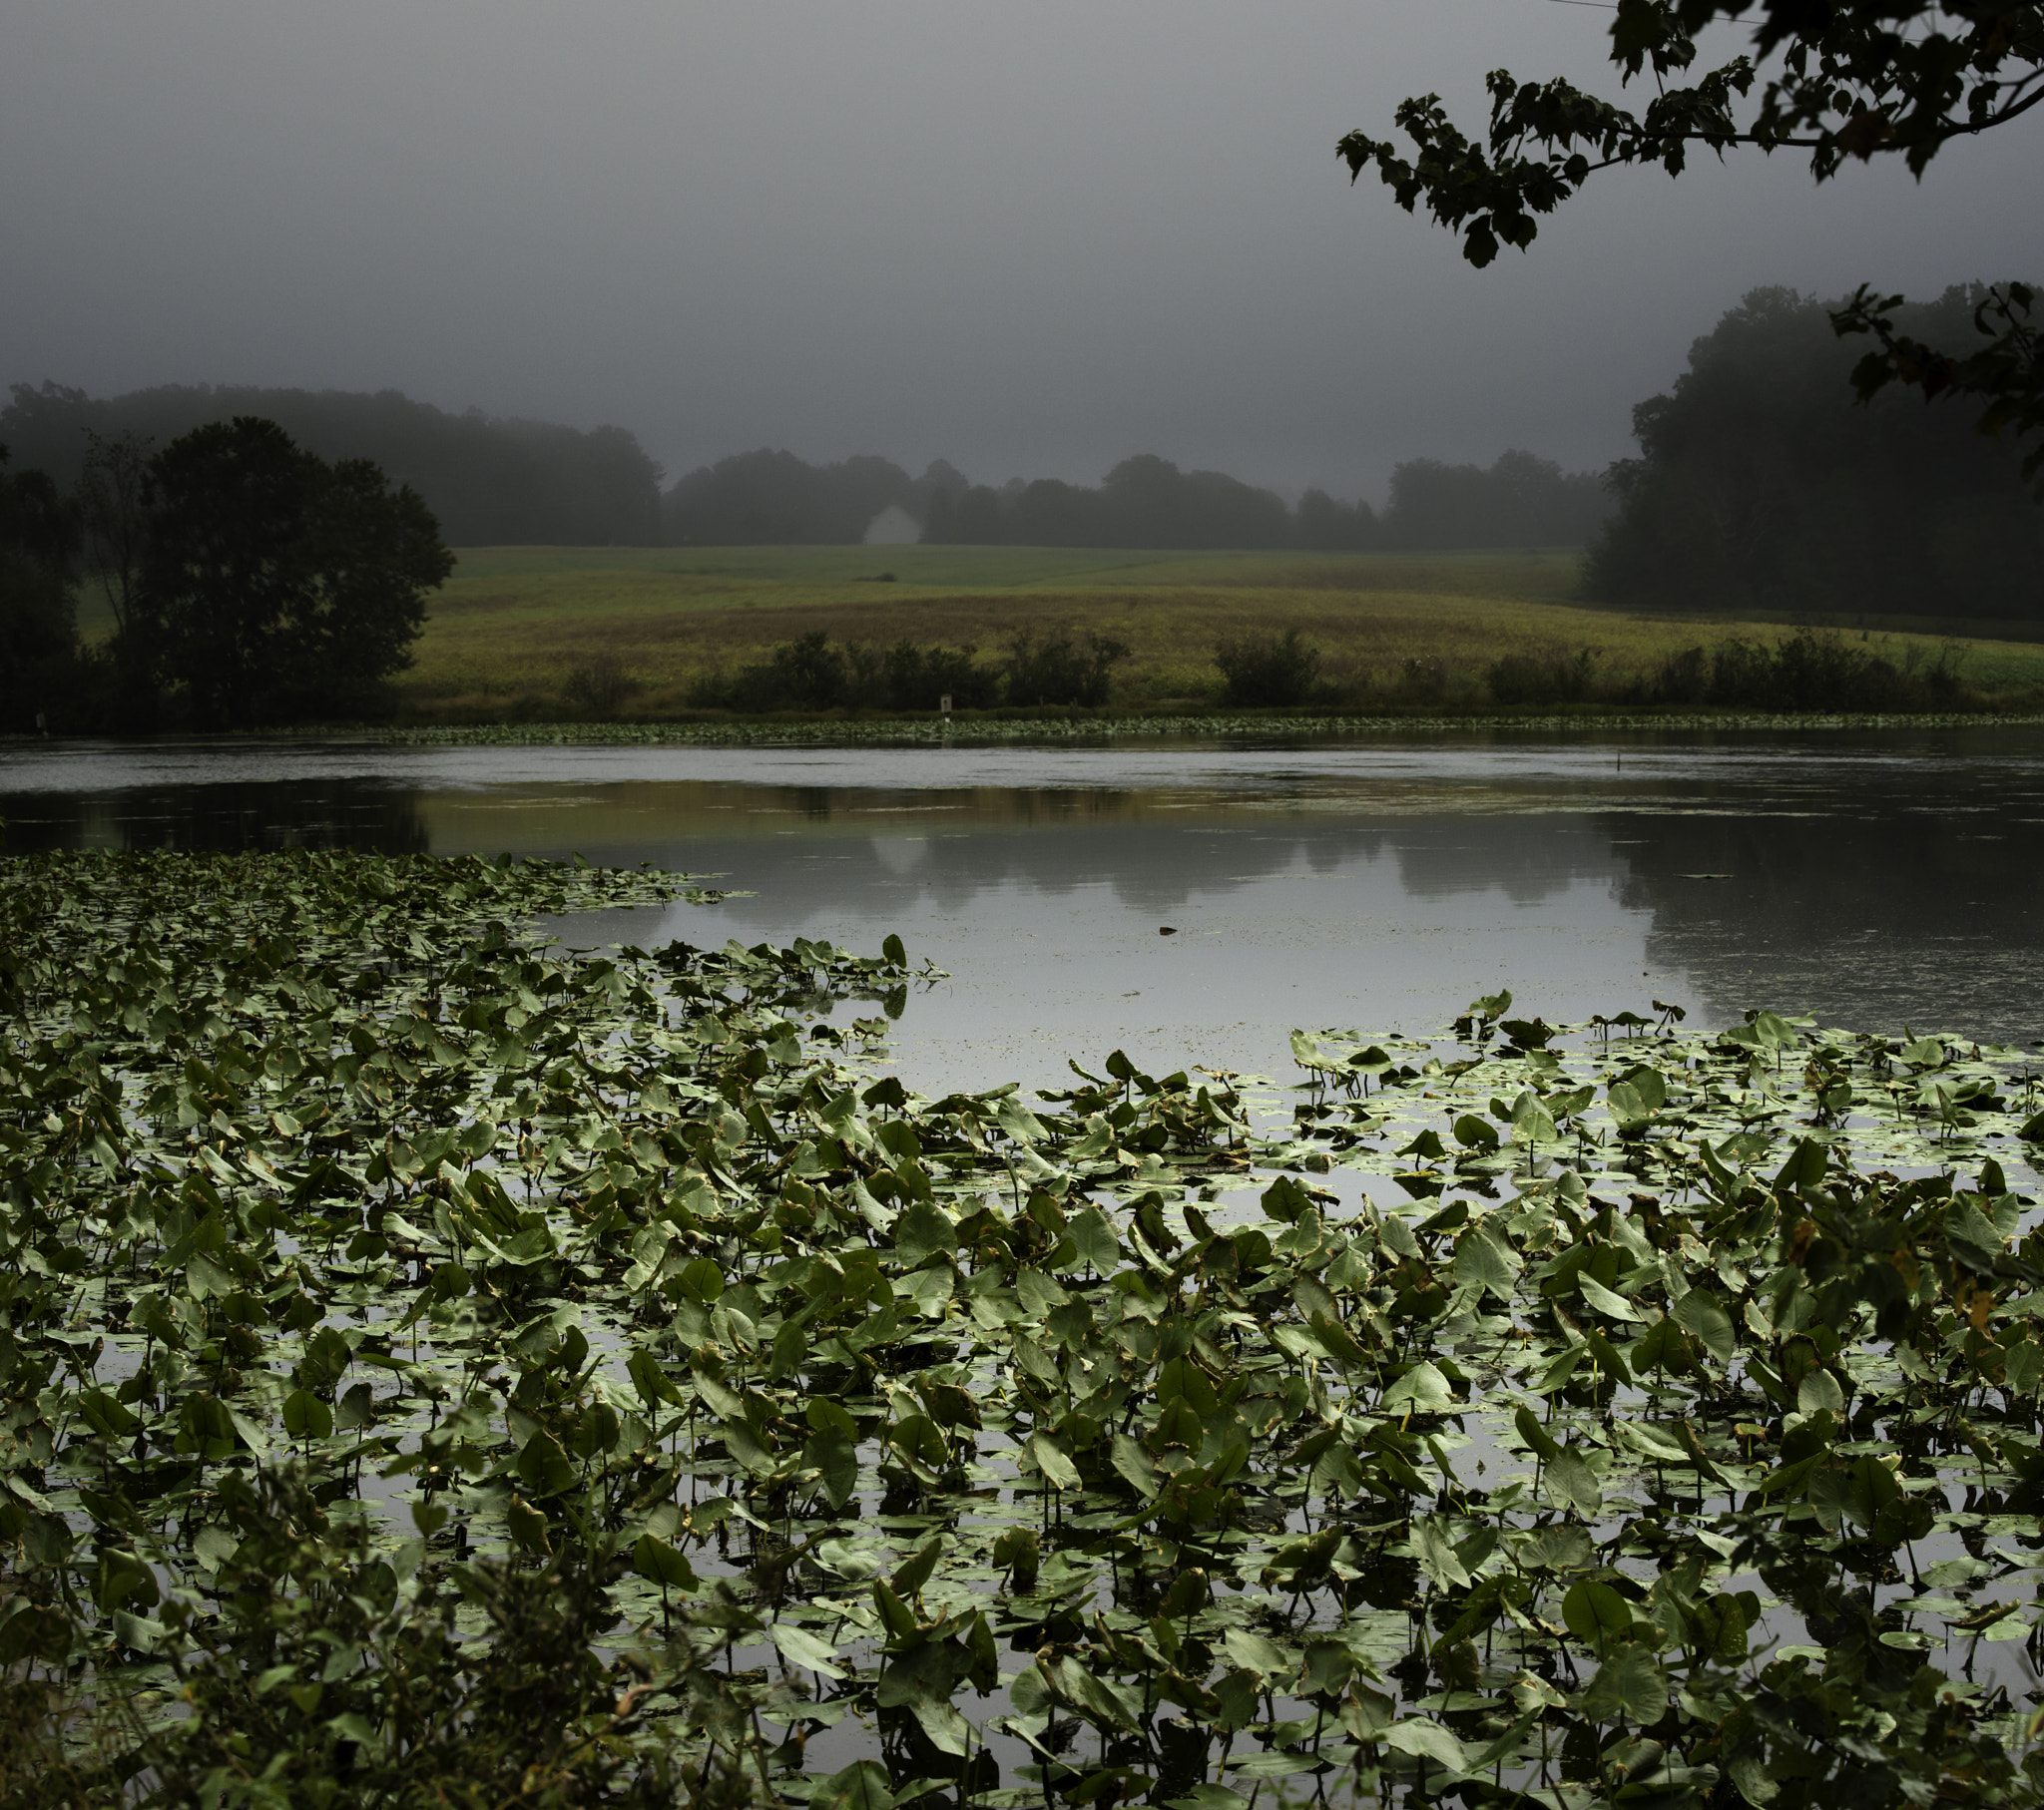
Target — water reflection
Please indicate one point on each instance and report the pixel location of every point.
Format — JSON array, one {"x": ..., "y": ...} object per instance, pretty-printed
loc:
[
  {"x": 1875, "y": 882},
  {"x": 231, "y": 818}
]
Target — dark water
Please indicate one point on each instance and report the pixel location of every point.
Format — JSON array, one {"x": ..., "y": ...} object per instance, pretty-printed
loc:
[{"x": 1875, "y": 881}]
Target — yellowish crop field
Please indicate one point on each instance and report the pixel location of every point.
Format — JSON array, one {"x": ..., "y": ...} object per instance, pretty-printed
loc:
[{"x": 513, "y": 622}]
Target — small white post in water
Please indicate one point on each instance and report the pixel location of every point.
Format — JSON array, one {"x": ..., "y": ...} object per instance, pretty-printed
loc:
[{"x": 945, "y": 703}]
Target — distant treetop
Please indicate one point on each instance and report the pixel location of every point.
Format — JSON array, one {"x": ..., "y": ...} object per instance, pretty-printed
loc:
[{"x": 490, "y": 482}]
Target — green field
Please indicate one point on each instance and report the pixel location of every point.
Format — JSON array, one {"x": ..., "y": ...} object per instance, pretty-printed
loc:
[{"x": 514, "y": 620}]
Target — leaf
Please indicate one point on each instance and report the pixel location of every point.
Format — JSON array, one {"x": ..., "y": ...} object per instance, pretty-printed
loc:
[
  {"x": 1605, "y": 1301},
  {"x": 1054, "y": 1462},
  {"x": 1422, "y": 1389},
  {"x": 701, "y": 1280},
  {"x": 1595, "y": 1613},
  {"x": 1094, "y": 1239},
  {"x": 803, "y": 1648},
  {"x": 1482, "y": 1256},
  {"x": 1475, "y": 1134},
  {"x": 527, "y": 1527},
  {"x": 1426, "y": 1740},
  {"x": 652, "y": 1558},
  {"x": 1435, "y": 1551},
  {"x": 1570, "y": 1481},
  {"x": 914, "y": 1571},
  {"x": 948, "y": 1731},
  {"x": 1820, "y": 1392},
  {"x": 923, "y": 1230},
  {"x": 1254, "y": 1653},
  {"x": 305, "y": 1416},
  {"x": 1629, "y": 1687},
  {"x": 1870, "y": 1486},
  {"x": 543, "y": 1467},
  {"x": 835, "y": 1458},
  {"x": 863, "y": 1785},
  {"x": 1538, "y": 1440},
  {"x": 1717, "y": 1627},
  {"x": 1135, "y": 1465},
  {"x": 1698, "y": 1313}
]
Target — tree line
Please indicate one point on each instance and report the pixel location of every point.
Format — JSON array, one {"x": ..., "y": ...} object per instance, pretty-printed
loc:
[
  {"x": 497, "y": 482},
  {"x": 773, "y": 497},
  {"x": 1760, "y": 486},
  {"x": 489, "y": 482},
  {"x": 250, "y": 583}
]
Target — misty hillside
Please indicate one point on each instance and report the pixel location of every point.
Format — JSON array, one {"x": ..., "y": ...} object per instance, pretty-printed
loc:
[{"x": 491, "y": 482}]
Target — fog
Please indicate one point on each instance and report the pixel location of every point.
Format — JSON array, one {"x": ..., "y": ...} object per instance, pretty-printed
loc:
[{"x": 1030, "y": 239}]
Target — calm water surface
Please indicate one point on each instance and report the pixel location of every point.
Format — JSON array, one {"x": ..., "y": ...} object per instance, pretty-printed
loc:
[{"x": 1875, "y": 881}]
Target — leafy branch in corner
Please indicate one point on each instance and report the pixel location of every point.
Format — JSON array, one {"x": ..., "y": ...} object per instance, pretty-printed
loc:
[
  {"x": 2006, "y": 371},
  {"x": 1855, "y": 78}
]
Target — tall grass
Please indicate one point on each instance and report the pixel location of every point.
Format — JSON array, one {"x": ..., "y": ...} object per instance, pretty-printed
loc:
[{"x": 694, "y": 630}]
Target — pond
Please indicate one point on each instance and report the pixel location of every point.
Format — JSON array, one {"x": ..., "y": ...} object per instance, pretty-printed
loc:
[
  {"x": 1195, "y": 904},
  {"x": 1507, "y": 1410}
]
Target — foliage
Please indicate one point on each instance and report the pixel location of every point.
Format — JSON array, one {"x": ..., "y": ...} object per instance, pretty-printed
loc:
[
  {"x": 1520, "y": 501},
  {"x": 513, "y": 623},
  {"x": 2008, "y": 370},
  {"x": 441, "y": 1370},
  {"x": 113, "y": 518},
  {"x": 1267, "y": 668},
  {"x": 488, "y": 480},
  {"x": 1148, "y": 502},
  {"x": 1857, "y": 79},
  {"x": 274, "y": 587},
  {"x": 38, "y": 632},
  {"x": 1759, "y": 486},
  {"x": 599, "y": 689},
  {"x": 771, "y": 497},
  {"x": 1060, "y": 670},
  {"x": 1555, "y": 677},
  {"x": 811, "y": 673}
]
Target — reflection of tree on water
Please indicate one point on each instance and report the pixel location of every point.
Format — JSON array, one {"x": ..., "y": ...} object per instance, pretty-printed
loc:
[
  {"x": 1861, "y": 889},
  {"x": 1156, "y": 861},
  {"x": 1857, "y": 916},
  {"x": 229, "y": 819}
]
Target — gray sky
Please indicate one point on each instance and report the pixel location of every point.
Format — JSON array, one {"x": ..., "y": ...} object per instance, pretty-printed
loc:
[{"x": 1031, "y": 238}]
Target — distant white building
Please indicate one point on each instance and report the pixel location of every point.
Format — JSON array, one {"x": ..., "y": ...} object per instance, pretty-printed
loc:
[{"x": 893, "y": 526}]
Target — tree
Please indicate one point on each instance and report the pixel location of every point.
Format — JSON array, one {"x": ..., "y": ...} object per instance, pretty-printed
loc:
[
  {"x": 38, "y": 627},
  {"x": 274, "y": 587},
  {"x": 1856, "y": 79},
  {"x": 488, "y": 480},
  {"x": 114, "y": 517},
  {"x": 1760, "y": 487}
]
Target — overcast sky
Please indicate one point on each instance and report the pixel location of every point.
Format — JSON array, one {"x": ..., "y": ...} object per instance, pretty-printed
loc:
[{"x": 1030, "y": 237}]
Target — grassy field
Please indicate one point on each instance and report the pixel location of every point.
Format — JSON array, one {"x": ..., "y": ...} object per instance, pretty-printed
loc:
[{"x": 514, "y": 620}]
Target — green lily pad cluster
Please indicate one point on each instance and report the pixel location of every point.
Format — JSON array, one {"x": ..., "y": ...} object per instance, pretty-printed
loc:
[{"x": 441, "y": 1368}]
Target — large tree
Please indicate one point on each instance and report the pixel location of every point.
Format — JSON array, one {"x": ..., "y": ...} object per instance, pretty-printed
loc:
[
  {"x": 1855, "y": 78},
  {"x": 38, "y": 634},
  {"x": 275, "y": 587},
  {"x": 1759, "y": 486}
]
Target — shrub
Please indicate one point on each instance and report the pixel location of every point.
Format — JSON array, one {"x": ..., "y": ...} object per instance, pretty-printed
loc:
[
  {"x": 598, "y": 691},
  {"x": 805, "y": 674},
  {"x": 1422, "y": 679},
  {"x": 1556, "y": 678},
  {"x": 919, "y": 678},
  {"x": 1812, "y": 670},
  {"x": 1268, "y": 669},
  {"x": 1061, "y": 670}
]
